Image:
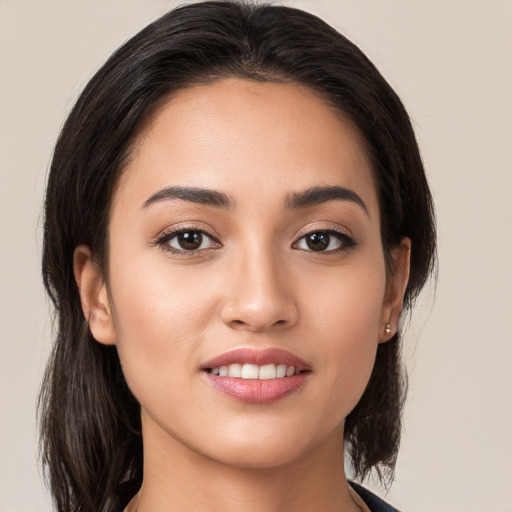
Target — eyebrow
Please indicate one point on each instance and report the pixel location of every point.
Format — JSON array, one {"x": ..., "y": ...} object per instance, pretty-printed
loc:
[
  {"x": 310, "y": 197},
  {"x": 193, "y": 194},
  {"x": 318, "y": 195}
]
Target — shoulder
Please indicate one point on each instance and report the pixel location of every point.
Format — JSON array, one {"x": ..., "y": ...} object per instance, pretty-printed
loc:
[{"x": 374, "y": 503}]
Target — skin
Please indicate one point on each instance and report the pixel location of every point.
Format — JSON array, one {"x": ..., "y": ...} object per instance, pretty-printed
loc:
[{"x": 256, "y": 285}]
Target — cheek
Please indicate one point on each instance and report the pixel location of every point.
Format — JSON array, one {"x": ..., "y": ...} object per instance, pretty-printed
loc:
[
  {"x": 349, "y": 300},
  {"x": 159, "y": 319},
  {"x": 347, "y": 318}
]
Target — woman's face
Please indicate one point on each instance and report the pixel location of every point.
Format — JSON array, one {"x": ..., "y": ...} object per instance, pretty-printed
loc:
[{"x": 245, "y": 239}]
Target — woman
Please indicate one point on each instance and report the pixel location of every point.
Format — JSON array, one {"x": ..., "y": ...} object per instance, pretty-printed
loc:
[{"x": 236, "y": 215}]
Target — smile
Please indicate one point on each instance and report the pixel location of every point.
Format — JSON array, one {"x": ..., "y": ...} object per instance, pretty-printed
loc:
[
  {"x": 253, "y": 371},
  {"x": 264, "y": 376}
]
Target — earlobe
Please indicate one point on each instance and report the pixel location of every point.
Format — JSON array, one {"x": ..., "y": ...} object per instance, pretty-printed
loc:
[
  {"x": 93, "y": 295},
  {"x": 395, "y": 290}
]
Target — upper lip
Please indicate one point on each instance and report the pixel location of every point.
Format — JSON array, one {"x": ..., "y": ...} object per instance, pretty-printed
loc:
[{"x": 258, "y": 357}]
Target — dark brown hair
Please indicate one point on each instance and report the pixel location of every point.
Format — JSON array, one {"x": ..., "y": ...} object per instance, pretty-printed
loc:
[{"x": 90, "y": 421}]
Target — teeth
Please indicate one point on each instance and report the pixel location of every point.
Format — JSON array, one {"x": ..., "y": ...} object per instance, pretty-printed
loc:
[
  {"x": 235, "y": 370},
  {"x": 268, "y": 372},
  {"x": 281, "y": 370},
  {"x": 253, "y": 371},
  {"x": 249, "y": 371}
]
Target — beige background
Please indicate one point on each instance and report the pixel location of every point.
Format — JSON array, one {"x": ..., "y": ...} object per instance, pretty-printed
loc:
[{"x": 450, "y": 60}]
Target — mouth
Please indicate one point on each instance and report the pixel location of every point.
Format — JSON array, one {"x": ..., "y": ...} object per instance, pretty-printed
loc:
[
  {"x": 253, "y": 371},
  {"x": 256, "y": 376}
]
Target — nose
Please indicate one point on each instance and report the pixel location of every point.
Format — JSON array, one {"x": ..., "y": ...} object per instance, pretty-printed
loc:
[{"x": 259, "y": 295}]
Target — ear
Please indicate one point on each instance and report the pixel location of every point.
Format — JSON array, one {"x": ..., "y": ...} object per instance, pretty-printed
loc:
[
  {"x": 395, "y": 290},
  {"x": 93, "y": 295}
]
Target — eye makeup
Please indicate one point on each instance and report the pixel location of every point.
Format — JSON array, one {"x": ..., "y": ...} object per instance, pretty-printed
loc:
[
  {"x": 187, "y": 240},
  {"x": 193, "y": 239},
  {"x": 319, "y": 239}
]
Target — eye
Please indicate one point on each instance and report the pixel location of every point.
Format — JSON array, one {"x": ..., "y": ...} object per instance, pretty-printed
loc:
[
  {"x": 324, "y": 241},
  {"x": 187, "y": 240}
]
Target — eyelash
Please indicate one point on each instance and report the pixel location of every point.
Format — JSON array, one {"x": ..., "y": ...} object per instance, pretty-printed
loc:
[
  {"x": 163, "y": 240},
  {"x": 346, "y": 241}
]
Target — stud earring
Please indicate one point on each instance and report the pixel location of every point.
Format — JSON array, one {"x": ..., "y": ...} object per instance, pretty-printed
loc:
[{"x": 387, "y": 328}]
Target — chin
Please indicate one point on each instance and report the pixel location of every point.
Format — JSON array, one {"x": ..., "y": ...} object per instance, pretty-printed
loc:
[
  {"x": 254, "y": 458},
  {"x": 275, "y": 449}
]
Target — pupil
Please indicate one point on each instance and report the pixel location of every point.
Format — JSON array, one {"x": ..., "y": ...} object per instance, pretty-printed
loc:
[
  {"x": 318, "y": 241},
  {"x": 190, "y": 240}
]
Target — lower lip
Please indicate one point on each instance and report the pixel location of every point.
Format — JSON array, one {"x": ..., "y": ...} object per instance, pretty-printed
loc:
[{"x": 257, "y": 391}]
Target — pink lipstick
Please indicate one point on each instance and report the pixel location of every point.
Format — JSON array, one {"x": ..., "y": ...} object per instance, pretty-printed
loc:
[{"x": 256, "y": 376}]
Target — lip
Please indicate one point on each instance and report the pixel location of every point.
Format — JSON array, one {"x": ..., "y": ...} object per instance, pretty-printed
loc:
[
  {"x": 256, "y": 391},
  {"x": 258, "y": 357}
]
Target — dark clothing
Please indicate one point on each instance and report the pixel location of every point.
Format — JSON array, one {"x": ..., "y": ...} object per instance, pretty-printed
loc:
[{"x": 374, "y": 503}]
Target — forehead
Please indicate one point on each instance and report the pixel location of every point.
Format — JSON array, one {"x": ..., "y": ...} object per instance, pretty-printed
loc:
[{"x": 238, "y": 135}]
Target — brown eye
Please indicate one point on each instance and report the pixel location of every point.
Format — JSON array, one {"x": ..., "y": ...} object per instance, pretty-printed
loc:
[
  {"x": 324, "y": 241},
  {"x": 318, "y": 241},
  {"x": 188, "y": 240}
]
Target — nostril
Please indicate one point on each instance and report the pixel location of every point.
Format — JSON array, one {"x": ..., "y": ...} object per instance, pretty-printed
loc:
[{"x": 258, "y": 315}]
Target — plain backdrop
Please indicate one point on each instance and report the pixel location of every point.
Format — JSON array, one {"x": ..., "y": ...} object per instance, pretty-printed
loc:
[{"x": 451, "y": 62}]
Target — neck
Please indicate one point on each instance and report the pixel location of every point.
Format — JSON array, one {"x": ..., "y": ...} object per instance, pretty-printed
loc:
[{"x": 180, "y": 480}]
